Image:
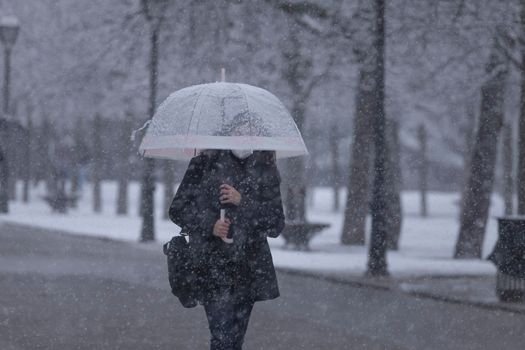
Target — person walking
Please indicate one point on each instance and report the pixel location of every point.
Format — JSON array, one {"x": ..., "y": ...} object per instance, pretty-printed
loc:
[{"x": 231, "y": 256}]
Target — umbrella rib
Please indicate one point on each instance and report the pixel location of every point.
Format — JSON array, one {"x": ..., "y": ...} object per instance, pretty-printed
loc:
[
  {"x": 247, "y": 107},
  {"x": 193, "y": 113}
]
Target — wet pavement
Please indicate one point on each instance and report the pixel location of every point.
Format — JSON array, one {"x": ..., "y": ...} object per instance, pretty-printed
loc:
[{"x": 61, "y": 291}]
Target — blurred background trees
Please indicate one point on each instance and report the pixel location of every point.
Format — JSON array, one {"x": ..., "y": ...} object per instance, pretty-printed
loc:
[{"x": 443, "y": 101}]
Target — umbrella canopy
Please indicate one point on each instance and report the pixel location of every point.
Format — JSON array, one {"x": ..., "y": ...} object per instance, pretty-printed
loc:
[{"x": 221, "y": 116}]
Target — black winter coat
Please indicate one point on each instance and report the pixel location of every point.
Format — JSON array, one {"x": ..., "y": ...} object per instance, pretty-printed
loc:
[{"x": 247, "y": 263}]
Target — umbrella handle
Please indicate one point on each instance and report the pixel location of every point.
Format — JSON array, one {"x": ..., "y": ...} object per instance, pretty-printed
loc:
[{"x": 222, "y": 217}]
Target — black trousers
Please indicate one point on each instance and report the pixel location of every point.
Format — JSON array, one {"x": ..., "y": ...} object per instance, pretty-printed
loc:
[{"x": 228, "y": 317}]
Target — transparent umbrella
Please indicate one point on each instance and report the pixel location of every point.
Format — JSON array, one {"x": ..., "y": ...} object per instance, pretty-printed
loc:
[{"x": 221, "y": 116}]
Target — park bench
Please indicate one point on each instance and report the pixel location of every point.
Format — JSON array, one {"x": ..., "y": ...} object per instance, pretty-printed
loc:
[
  {"x": 60, "y": 202},
  {"x": 297, "y": 235}
]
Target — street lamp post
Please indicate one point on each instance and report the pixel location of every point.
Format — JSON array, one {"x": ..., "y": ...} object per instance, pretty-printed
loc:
[{"x": 8, "y": 33}]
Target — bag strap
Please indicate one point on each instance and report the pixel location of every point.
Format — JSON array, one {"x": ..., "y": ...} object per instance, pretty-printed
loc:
[{"x": 166, "y": 246}]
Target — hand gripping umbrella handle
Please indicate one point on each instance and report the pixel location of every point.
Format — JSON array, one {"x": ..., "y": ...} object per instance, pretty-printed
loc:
[{"x": 225, "y": 239}]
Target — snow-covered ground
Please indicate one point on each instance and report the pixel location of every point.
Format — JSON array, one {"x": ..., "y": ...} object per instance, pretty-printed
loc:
[{"x": 426, "y": 245}]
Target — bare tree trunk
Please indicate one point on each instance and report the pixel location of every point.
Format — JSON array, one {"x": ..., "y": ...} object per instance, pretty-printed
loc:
[
  {"x": 12, "y": 186},
  {"x": 508, "y": 178},
  {"x": 310, "y": 193},
  {"x": 296, "y": 189},
  {"x": 77, "y": 155},
  {"x": 28, "y": 159},
  {"x": 336, "y": 174},
  {"x": 169, "y": 184},
  {"x": 97, "y": 164},
  {"x": 521, "y": 133},
  {"x": 298, "y": 70},
  {"x": 521, "y": 128},
  {"x": 12, "y": 168},
  {"x": 122, "y": 200},
  {"x": 295, "y": 199},
  {"x": 47, "y": 151},
  {"x": 124, "y": 166},
  {"x": 357, "y": 198},
  {"x": 148, "y": 191},
  {"x": 4, "y": 178},
  {"x": 393, "y": 187},
  {"x": 481, "y": 175},
  {"x": 148, "y": 177},
  {"x": 467, "y": 154},
  {"x": 74, "y": 182},
  {"x": 423, "y": 170},
  {"x": 377, "y": 264}
]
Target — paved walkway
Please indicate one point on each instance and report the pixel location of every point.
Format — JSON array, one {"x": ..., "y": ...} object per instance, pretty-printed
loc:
[
  {"x": 476, "y": 291},
  {"x": 60, "y": 291}
]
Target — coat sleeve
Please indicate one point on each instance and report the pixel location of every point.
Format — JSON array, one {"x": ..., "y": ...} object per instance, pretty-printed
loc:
[
  {"x": 184, "y": 209},
  {"x": 265, "y": 211}
]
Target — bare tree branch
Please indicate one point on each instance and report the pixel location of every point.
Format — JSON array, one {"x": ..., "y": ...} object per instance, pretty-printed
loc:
[
  {"x": 300, "y": 8},
  {"x": 307, "y": 90},
  {"x": 505, "y": 44},
  {"x": 459, "y": 11}
]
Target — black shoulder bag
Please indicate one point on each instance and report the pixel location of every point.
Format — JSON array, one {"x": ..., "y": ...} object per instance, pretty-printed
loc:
[{"x": 181, "y": 273}]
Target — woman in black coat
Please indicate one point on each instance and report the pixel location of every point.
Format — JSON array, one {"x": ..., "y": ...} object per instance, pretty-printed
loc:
[{"x": 231, "y": 276}]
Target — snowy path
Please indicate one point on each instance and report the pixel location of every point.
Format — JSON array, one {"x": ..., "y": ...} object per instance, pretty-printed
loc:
[{"x": 59, "y": 291}]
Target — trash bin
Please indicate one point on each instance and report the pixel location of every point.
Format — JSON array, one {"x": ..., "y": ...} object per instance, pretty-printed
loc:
[{"x": 509, "y": 257}]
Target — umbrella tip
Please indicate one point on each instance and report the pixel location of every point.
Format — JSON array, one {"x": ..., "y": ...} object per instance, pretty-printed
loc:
[{"x": 223, "y": 74}]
